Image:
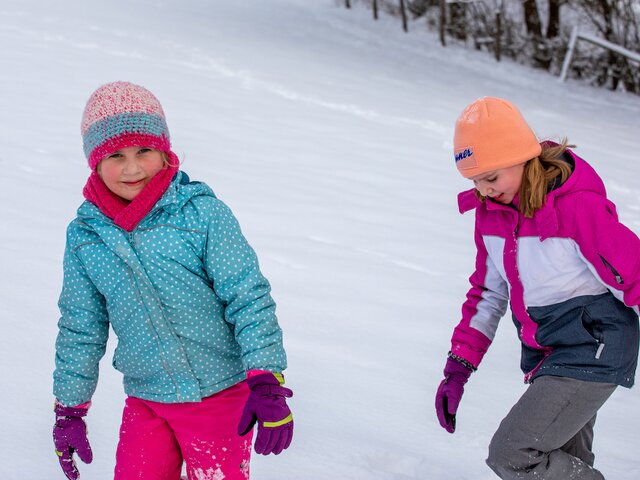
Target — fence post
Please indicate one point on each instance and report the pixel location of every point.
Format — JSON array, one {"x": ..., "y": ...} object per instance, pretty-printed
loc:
[
  {"x": 569, "y": 54},
  {"x": 403, "y": 10},
  {"x": 375, "y": 9},
  {"x": 347, "y": 3},
  {"x": 443, "y": 19},
  {"x": 498, "y": 31}
]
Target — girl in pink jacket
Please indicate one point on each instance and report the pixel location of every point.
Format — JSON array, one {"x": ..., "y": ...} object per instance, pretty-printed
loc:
[{"x": 549, "y": 245}]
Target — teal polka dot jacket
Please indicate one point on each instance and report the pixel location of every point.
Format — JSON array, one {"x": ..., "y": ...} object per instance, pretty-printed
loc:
[{"x": 182, "y": 292}]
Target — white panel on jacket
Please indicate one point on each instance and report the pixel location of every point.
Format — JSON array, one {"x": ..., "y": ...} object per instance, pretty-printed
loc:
[
  {"x": 551, "y": 271},
  {"x": 493, "y": 305}
]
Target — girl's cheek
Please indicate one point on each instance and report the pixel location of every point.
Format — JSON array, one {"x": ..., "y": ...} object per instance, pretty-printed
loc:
[{"x": 107, "y": 170}]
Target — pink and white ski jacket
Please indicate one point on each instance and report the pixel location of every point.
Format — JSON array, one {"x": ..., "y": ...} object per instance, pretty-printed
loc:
[{"x": 571, "y": 275}]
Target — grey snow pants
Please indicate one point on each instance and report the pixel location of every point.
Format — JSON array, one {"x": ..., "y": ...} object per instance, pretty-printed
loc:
[{"x": 548, "y": 433}]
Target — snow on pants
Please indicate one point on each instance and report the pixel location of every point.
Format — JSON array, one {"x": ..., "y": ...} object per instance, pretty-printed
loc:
[
  {"x": 548, "y": 433},
  {"x": 156, "y": 438}
]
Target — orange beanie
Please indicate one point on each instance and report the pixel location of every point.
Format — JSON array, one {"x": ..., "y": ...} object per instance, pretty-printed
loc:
[{"x": 492, "y": 134}]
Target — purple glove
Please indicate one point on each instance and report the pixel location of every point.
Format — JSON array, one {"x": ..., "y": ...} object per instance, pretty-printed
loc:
[
  {"x": 70, "y": 435},
  {"x": 450, "y": 392},
  {"x": 267, "y": 406}
]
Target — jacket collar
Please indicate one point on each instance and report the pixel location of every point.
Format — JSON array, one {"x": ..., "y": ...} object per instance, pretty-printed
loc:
[
  {"x": 179, "y": 192},
  {"x": 583, "y": 178}
]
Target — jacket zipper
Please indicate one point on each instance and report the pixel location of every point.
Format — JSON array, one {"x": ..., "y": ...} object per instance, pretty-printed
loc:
[
  {"x": 599, "y": 337},
  {"x": 616, "y": 275},
  {"x": 132, "y": 242}
]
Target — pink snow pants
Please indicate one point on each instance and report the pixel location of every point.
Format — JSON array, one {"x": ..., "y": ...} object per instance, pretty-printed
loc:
[{"x": 155, "y": 439}]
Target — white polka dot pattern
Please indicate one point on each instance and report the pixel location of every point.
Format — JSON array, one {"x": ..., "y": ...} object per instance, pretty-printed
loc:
[{"x": 183, "y": 293}]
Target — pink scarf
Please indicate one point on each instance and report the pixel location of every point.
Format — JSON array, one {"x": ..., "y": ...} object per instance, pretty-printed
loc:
[{"x": 125, "y": 214}]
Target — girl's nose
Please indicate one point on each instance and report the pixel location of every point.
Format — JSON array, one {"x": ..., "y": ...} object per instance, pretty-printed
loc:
[
  {"x": 131, "y": 166},
  {"x": 484, "y": 190}
]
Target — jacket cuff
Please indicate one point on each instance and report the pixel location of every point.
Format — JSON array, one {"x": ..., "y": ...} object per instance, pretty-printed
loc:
[
  {"x": 255, "y": 373},
  {"x": 84, "y": 405},
  {"x": 461, "y": 361}
]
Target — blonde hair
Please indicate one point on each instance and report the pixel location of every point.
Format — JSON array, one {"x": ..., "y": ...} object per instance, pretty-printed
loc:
[
  {"x": 539, "y": 173},
  {"x": 169, "y": 161}
]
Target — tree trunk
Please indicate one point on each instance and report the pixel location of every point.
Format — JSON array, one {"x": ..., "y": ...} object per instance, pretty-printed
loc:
[
  {"x": 607, "y": 16},
  {"x": 419, "y": 7},
  {"x": 540, "y": 54},
  {"x": 458, "y": 20},
  {"x": 553, "y": 28},
  {"x": 443, "y": 19},
  {"x": 347, "y": 3},
  {"x": 403, "y": 12},
  {"x": 532, "y": 18},
  {"x": 375, "y": 9},
  {"x": 498, "y": 39}
]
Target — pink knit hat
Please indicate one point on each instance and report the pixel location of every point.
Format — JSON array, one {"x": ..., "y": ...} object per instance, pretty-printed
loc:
[{"x": 119, "y": 115}]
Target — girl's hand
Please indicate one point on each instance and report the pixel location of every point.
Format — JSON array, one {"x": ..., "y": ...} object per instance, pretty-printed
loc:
[
  {"x": 450, "y": 393},
  {"x": 69, "y": 436},
  {"x": 267, "y": 407}
]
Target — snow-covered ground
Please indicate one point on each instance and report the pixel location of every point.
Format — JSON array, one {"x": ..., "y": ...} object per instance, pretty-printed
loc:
[{"x": 329, "y": 135}]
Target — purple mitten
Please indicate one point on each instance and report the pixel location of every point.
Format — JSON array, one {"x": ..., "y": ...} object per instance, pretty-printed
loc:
[
  {"x": 450, "y": 392},
  {"x": 70, "y": 435},
  {"x": 267, "y": 406}
]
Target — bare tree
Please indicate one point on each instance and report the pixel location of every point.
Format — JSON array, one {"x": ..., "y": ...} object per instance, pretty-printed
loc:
[
  {"x": 454, "y": 18},
  {"x": 553, "y": 24},
  {"x": 532, "y": 18},
  {"x": 403, "y": 12},
  {"x": 443, "y": 20},
  {"x": 419, "y": 7},
  {"x": 618, "y": 22},
  {"x": 539, "y": 48}
]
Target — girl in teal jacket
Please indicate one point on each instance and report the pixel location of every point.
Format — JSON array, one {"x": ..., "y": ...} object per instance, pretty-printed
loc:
[{"x": 164, "y": 262}]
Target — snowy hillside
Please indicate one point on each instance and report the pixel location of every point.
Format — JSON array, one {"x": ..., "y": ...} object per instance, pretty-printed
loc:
[{"x": 333, "y": 148}]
